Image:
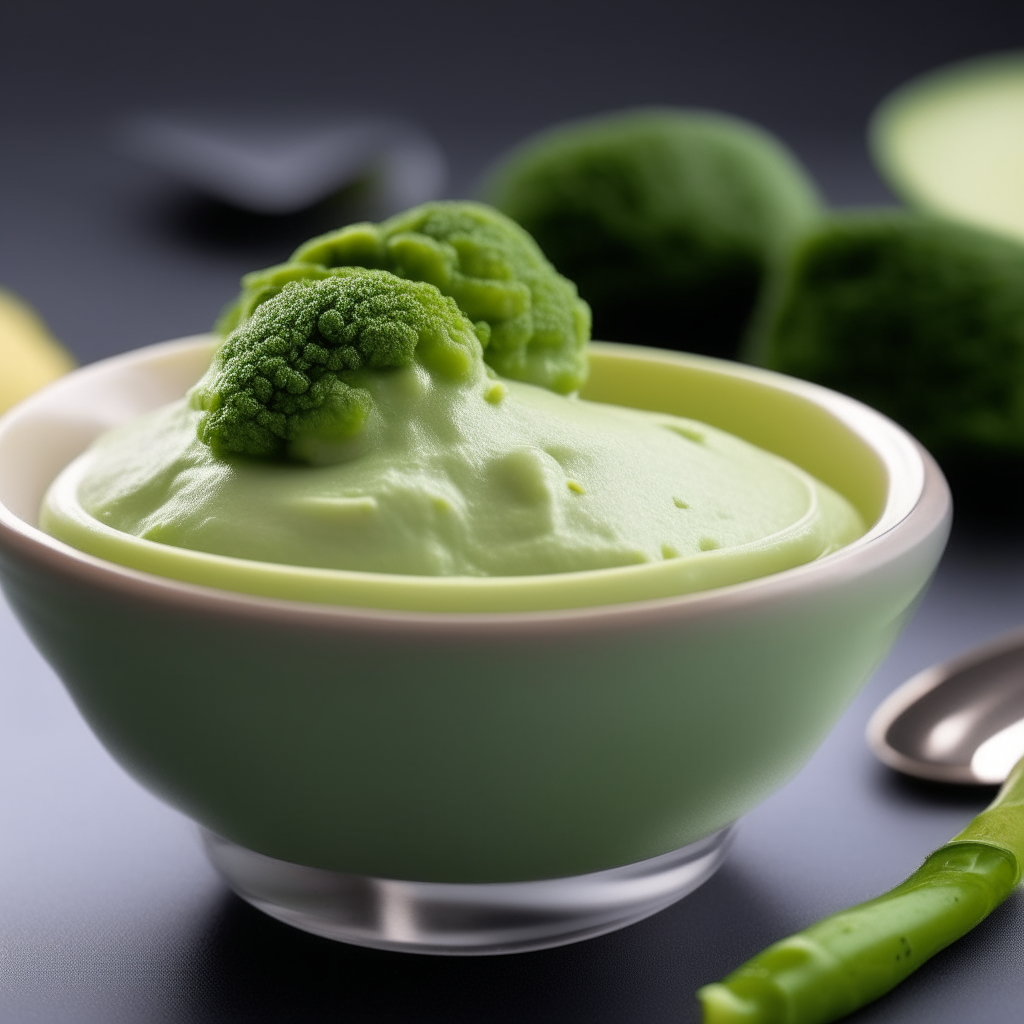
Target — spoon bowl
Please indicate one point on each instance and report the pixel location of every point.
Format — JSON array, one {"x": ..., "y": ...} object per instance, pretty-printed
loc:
[{"x": 961, "y": 721}]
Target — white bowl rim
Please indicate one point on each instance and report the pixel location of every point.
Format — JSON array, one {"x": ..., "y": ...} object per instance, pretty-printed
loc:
[{"x": 918, "y": 506}]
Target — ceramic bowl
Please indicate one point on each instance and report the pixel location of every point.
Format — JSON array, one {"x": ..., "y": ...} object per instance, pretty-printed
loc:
[{"x": 474, "y": 781}]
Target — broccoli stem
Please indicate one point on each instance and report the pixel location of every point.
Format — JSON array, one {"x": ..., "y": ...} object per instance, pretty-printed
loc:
[{"x": 847, "y": 960}]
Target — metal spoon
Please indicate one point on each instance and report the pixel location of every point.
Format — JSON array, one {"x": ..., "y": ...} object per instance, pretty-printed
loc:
[
  {"x": 960, "y": 721},
  {"x": 274, "y": 165}
]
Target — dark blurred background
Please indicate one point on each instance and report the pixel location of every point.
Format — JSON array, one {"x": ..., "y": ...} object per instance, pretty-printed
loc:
[
  {"x": 115, "y": 255},
  {"x": 108, "y": 913}
]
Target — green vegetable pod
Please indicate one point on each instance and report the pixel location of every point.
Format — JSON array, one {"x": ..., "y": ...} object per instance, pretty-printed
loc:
[{"x": 853, "y": 957}]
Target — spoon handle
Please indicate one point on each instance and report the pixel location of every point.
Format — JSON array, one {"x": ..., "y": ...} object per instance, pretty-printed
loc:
[{"x": 853, "y": 957}]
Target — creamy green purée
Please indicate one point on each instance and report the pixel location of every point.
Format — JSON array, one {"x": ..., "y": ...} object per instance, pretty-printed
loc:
[{"x": 351, "y": 426}]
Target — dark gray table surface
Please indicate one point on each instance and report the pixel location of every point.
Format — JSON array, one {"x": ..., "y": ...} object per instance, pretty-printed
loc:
[{"x": 109, "y": 912}]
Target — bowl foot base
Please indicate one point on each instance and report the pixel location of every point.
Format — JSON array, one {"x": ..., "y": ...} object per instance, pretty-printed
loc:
[{"x": 464, "y": 919}]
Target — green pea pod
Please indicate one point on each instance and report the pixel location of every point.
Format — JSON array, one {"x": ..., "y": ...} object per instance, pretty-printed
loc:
[{"x": 847, "y": 960}]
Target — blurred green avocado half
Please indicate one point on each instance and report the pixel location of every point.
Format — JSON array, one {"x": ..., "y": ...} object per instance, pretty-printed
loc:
[
  {"x": 952, "y": 142},
  {"x": 665, "y": 219},
  {"x": 923, "y": 319}
]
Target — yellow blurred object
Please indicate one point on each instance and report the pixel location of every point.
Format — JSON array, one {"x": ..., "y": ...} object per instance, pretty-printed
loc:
[{"x": 29, "y": 355}]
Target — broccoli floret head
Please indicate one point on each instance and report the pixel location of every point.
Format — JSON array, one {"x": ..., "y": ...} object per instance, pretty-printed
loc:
[
  {"x": 287, "y": 378},
  {"x": 530, "y": 319},
  {"x": 919, "y": 317},
  {"x": 666, "y": 219}
]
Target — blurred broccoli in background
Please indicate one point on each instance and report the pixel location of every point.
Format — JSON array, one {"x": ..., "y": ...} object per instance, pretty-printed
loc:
[
  {"x": 921, "y": 318},
  {"x": 286, "y": 383},
  {"x": 529, "y": 318},
  {"x": 665, "y": 219}
]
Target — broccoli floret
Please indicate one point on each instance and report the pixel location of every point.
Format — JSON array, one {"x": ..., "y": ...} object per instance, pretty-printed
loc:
[
  {"x": 287, "y": 378},
  {"x": 666, "y": 219},
  {"x": 921, "y": 318},
  {"x": 530, "y": 320},
  {"x": 261, "y": 285}
]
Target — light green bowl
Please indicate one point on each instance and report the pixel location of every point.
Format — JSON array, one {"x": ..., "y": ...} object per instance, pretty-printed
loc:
[{"x": 476, "y": 747}]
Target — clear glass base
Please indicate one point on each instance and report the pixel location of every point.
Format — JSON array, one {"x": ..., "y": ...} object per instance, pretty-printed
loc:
[{"x": 464, "y": 919}]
